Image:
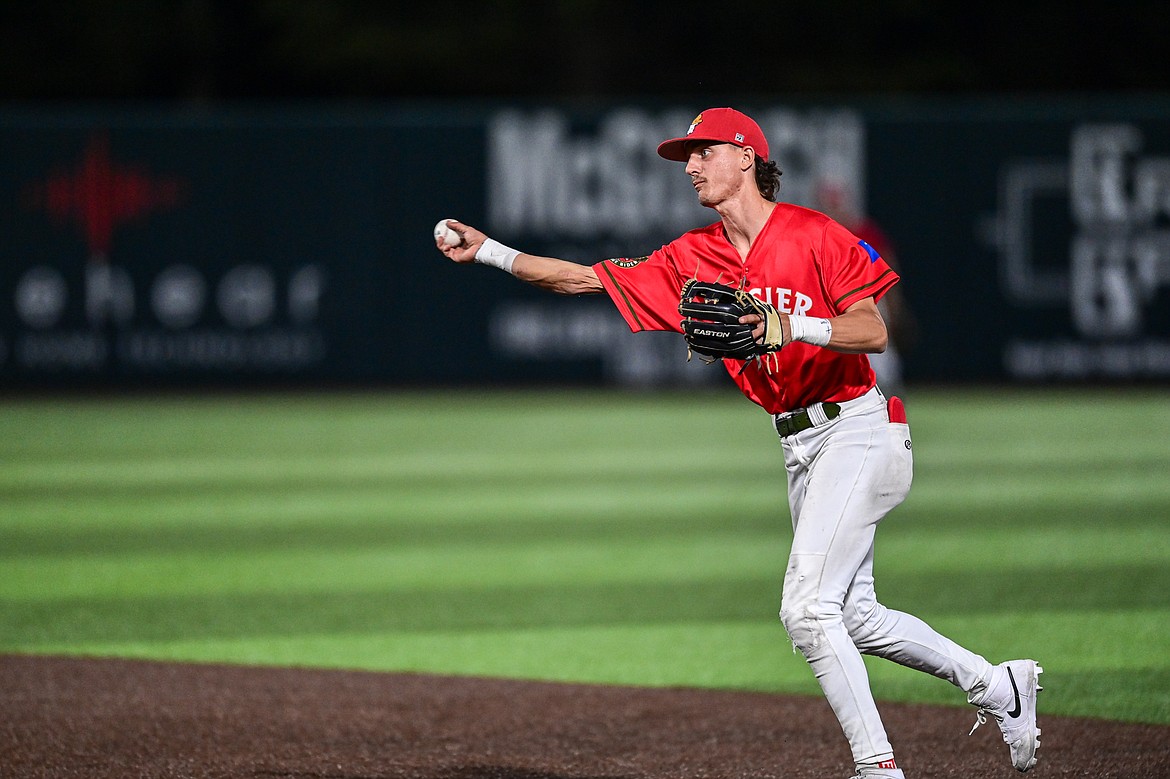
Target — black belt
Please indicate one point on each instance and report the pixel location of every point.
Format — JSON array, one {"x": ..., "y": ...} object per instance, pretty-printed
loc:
[{"x": 789, "y": 424}]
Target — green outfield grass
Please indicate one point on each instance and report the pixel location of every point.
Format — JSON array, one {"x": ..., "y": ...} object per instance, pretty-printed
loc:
[{"x": 574, "y": 536}]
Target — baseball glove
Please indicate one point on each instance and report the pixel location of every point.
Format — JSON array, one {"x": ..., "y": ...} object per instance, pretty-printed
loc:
[{"x": 711, "y": 325}]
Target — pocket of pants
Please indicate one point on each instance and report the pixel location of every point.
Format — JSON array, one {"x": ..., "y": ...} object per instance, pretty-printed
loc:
[
  {"x": 896, "y": 410},
  {"x": 900, "y": 442}
]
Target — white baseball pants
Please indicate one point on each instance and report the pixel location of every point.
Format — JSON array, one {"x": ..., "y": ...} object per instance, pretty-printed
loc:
[{"x": 843, "y": 478}]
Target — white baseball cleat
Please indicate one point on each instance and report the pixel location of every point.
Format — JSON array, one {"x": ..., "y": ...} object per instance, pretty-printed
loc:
[{"x": 1010, "y": 698}]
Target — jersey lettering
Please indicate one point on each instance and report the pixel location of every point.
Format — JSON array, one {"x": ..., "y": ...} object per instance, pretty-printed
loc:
[{"x": 786, "y": 301}]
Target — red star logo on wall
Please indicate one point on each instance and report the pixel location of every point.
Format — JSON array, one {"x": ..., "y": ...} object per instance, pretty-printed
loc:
[{"x": 100, "y": 195}]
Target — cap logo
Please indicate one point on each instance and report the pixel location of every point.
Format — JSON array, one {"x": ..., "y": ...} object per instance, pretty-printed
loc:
[
  {"x": 739, "y": 137},
  {"x": 698, "y": 120}
]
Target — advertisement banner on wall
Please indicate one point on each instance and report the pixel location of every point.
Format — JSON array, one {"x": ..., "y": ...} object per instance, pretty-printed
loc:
[
  {"x": 1107, "y": 277},
  {"x": 106, "y": 273}
]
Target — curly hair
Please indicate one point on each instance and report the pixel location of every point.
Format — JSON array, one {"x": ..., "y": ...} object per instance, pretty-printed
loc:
[{"x": 768, "y": 178}]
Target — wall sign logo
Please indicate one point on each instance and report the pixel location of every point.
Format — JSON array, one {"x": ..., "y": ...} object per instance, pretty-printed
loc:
[
  {"x": 100, "y": 195},
  {"x": 183, "y": 321},
  {"x": 1111, "y": 274}
]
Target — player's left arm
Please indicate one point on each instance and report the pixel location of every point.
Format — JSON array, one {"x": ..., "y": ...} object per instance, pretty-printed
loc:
[{"x": 859, "y": 329}]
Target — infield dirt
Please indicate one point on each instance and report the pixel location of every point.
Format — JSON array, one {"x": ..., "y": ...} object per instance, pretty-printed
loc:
[{"x": 76, "y": 717}]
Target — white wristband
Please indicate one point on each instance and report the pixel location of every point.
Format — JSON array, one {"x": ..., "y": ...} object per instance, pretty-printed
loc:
[
  {"x": 813, "y": 330},
  {"x": 494, "y": 253}
]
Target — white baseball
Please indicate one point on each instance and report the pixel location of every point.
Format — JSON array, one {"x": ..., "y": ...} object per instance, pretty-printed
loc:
[{"x": 446, "y": 234}]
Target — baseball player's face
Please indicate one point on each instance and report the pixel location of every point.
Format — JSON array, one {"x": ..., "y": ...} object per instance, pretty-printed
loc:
[{"x": 715, "y": 170}]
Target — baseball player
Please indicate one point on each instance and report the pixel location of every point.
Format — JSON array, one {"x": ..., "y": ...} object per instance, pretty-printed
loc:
[{"x": 814, "y": 289}]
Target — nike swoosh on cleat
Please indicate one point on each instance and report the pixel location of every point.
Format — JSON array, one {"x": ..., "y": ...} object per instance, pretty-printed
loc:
[{"x": 1015, "y": 712}]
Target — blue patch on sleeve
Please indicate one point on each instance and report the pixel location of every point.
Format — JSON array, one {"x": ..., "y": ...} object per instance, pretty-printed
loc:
[{"x": 872, "y": 252}]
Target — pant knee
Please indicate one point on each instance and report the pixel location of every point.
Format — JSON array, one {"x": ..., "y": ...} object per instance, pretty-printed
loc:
[{"x": 804, "y": 621}]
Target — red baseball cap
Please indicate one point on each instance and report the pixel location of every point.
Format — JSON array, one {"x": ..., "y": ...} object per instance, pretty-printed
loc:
[{"x": 725, "y": 125}]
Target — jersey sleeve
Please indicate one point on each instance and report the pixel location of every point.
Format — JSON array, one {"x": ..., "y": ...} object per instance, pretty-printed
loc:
[
  {"x": 645, "y": 290},
  {"x": 852, "y": 269}
]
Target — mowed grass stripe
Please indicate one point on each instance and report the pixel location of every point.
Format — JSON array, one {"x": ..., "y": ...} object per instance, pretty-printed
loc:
[
  {"x": 462, "y": 566},
  {"x": 290, "y": 613},
  {"x": 359, "y": 424},
  {"x": 513, "y": 507},
  {"x": 345, "y": 515},
  {"x": 417, "y": 466},
  {"x": 588, "y": 602},
  {"x": 992, "y": 487},
  {"x": 371, "y": 525},
  {"x": 425, "y": 555},
  {"x": 997, "y": 491}
]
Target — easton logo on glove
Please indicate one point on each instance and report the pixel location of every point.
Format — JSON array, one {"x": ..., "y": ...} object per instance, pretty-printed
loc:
[{"x": 711, "y": 326}]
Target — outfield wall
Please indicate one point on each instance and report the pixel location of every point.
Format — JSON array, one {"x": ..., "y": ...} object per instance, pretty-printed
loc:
[{"x": 145, "y": 247}]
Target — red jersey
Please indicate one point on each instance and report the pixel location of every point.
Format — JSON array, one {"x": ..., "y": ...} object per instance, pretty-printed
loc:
[{"x": 802, "y": 262}]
